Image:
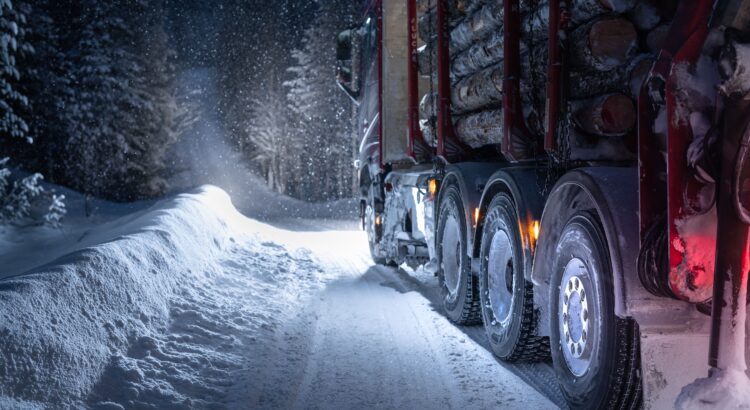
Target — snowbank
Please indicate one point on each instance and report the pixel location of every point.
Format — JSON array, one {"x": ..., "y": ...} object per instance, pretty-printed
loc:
[
  {"x": 725, "y": 389},
  {"x": 62, "y": 324}
]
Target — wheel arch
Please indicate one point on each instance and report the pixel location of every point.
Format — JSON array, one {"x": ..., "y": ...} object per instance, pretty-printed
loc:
[
  {"x": 470, "y": 178},
  {"x": 520, "y": 185},
  {"x": 611, "y": 193}
]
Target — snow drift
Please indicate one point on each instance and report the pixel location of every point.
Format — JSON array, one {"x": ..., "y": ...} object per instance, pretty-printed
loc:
[{"x": 62, "y": 324}]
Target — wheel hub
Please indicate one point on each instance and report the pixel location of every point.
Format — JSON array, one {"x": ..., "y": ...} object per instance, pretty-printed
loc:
[
  {"x": 451, "y": 249},
  {"x": 500, "y": 276},
  {"x": 575, "y": 319}
]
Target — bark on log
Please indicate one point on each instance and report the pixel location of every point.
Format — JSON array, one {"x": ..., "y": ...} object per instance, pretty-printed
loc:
[
  {"x": 427, "y": 106},
  {"x": 477, "y": 26},
  {"x": 480, "y": 90},
  {"x": 581, "y": 11},
  {"x": 426, "y": 60},
  {"x": 428, "y": 132},
  {"x": 625, "y": 79},
  {"x": 479, "y": 56},
  {"x": 604, "y": 44},
  {"x": 606, "y": 115},
  {"x": 456, "y": 8},
  {"x": 480, "y": 129}
]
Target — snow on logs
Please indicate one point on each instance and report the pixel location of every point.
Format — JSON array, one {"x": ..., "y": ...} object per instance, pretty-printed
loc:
[
  {"x": 479, "y": 129},
  {"x": 609, "y": 115},
  {"x": 604, "y": 43},
  {"x": 612, "y": 44}
]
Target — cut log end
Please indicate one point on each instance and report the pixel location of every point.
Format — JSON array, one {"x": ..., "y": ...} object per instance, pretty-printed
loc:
[
  {"x": 612, "y": 41},
  {"x": 617, "y": 114},
  {"x": 606, "y": 115}
]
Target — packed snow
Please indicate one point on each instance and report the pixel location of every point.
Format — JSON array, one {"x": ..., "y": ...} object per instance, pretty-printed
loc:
[{"x": 186, "y": 303}]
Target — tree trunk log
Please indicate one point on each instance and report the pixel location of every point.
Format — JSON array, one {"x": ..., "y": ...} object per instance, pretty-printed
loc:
[
  {"x": 581, "y": 11},
  {"x": 428, "y": 132},
  {"x": 605, "y": 115},
  {"x": 479, "y": 56},
  {"x": 427, "y": 106},
  {"x": 626, "y": 79},
  {"x": 456, "y": 8},
  {"x": 479, "y": 129},
  {"x": 426, "y": 60},
  {"x": 482, "y": 89},
  {"x": 604, "y": 44},
  {"x": 479, "y": 25}
]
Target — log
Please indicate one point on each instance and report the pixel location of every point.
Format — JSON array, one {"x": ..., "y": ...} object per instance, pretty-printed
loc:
[
  {"x": 427, "y": 23},
  {"x": 479, "y": 25},
  {"x": 456, "y": 8},
  {"x": 624, "y": 79},
  {"x": 480, "y": 129},
  {"x": 480, "y": 90},
  {"x": 604, "y": 43},
  {"x": 427, "y": 106},
  {"x": 581, "y": 11},
  {"x": 656, "y": 38},
  {"x": 479, "y": 56},
  {"x": 606, "y": 115},
  {"x": 428, "y": 132},
  {"x": 426, "y": 60}
]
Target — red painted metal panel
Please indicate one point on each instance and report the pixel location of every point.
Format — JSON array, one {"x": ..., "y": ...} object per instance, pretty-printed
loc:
[
  {"x": 554, "y": 77},
  {"x": 684, "y": 42},
  {"x": 379, "y": 14}
]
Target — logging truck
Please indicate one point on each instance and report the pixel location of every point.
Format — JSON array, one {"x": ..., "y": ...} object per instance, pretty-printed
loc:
[{"x": 576, "y": 173}]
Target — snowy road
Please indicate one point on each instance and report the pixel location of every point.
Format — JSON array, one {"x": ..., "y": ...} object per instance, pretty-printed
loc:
[
  {"x": 188, "y": 304},
  {"x": 372, "y": 338}
]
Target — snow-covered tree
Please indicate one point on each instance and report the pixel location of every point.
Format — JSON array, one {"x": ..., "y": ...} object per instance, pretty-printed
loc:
[
  {"x": 321, "y": 111},
  {"x": 19, "y": 196},
  {"x": 12, "y": 101}
]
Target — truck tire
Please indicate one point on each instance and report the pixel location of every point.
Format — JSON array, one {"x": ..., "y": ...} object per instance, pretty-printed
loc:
[
  {"x": 507, "y": 299},
  {"x": 459, "y": 288},
  {"x": 596, "y": 355}
]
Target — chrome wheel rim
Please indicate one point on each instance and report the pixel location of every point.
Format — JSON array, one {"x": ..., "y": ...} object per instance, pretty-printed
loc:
[
  {"x": 451, "y": 250},
  {"x": 500, "y": 277},
  {"x": 577, "y": 329}
]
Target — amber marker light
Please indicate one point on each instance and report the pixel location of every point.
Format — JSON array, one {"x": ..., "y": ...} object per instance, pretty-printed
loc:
[
  {"x": 476, "y": 216},
  {"x": 432, "y": 186},
  {"x": 377, "y": 220},
  {"x": 534, "y": 229}
]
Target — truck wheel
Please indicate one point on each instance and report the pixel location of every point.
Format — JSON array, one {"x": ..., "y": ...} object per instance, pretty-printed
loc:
[
  {"x": 596, "y": 355},
  {"x": 371, "y": 234},
  {"x": 507, "y": 299},
  {"x": 459, "y": 287}
]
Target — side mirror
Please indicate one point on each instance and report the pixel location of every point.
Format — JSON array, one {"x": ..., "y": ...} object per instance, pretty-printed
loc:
[{"x": 348, "y": 62}]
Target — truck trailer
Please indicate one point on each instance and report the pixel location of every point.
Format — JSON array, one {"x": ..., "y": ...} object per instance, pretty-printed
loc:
[{"x": 574, "y": 172}]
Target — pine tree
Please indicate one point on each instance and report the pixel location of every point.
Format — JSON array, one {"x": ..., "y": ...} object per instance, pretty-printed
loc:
[
  {"x": 18, "y": 195},
  {"x": 322, "y": 111}
]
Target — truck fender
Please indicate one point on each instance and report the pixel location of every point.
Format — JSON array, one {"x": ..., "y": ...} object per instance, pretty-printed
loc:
[
  {"x": 471, "y": 178},
  {"x": 520, "y": 183},
  {"x": 611, "y": 192}
]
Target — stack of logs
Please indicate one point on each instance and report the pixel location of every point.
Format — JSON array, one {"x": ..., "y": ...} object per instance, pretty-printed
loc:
[{"x": 611, "y": 47}]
